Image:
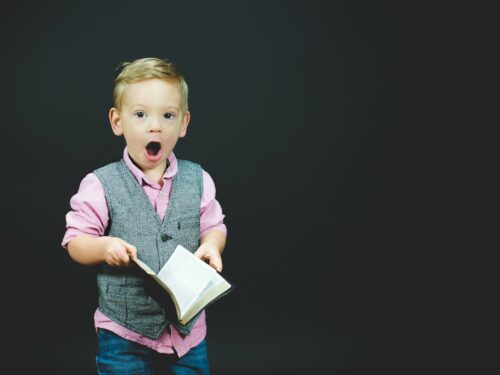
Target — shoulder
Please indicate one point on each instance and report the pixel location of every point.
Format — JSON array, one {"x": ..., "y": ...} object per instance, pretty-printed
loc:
[
  {"x": 189, "y": 168},
  {"x": 90, "y": 182},
  {"x": 191, "y": 173},
  {"x": 203, "y": 175},
  {"x": 111, "y": 176},
  {"x": 109, "y": 169},
  {"x": 208, "y": 181},
  {"x": 90, "y": 191},
  {"x": 186, "y": 164}
]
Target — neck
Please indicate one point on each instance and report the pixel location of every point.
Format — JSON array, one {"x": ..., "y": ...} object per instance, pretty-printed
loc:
[{"x": 157, "y": 173}]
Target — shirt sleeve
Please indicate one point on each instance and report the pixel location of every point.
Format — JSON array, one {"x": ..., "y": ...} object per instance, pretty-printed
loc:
[
  {"x": 89, "y": 213},
  {"x": 211, "y": 216}
]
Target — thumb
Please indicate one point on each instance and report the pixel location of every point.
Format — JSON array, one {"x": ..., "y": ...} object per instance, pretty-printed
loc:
[
  {"x": 216, "y": 263},
  {"x": 199, "y": 253}
]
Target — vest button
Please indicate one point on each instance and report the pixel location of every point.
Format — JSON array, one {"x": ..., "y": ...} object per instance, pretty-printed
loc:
[{"x": 165, "y": 237}]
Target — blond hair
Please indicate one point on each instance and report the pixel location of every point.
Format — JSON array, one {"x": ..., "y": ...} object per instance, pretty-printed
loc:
[{"x": 147, "y": 68}]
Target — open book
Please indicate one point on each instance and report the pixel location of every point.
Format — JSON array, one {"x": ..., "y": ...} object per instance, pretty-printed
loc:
[{"x": 191, "y": 282}]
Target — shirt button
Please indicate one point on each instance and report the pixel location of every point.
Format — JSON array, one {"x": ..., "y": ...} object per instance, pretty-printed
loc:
[{"x": 165, "y": 237}]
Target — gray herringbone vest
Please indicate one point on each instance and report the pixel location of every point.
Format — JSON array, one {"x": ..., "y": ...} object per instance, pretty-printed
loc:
[{"x": 124, "y": 295}]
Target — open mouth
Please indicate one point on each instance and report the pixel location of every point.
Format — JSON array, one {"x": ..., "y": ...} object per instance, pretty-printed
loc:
[
  {"x": 153, "y": 148},
  {"x": 154, "y": 151}
]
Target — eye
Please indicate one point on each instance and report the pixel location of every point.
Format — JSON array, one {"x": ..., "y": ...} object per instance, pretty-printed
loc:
[
  {"x": 140, "y": 114},
  {"x": 169, "y": 116}
]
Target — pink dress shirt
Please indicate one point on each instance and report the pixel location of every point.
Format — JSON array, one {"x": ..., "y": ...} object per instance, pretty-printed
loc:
[{"x": 89, "y": 216}]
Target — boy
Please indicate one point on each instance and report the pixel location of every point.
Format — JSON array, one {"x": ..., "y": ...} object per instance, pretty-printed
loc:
[{"x": 143, "y": 206}]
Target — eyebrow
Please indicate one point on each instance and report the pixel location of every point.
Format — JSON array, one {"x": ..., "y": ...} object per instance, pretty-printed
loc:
[{"x": 168, "y": 107}]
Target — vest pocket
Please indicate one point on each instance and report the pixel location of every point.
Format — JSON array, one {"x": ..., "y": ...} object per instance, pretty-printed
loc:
[
  {"x": 188, "y": 232},
  {"x": 188, "y": 222}
]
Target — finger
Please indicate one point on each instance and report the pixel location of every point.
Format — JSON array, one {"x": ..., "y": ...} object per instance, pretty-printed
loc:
[
  {"x": 199, "y": 253},
  {"x": 129, "y": 250},
  {"x": 132, "y": 251},
  {"x": 115, "y": 260},
  {"x": 216, "y": 263},
  {"x": 112, "y": 262},
  {"x": 126, "y": 261},
  {"x": 123, "y": 257}
]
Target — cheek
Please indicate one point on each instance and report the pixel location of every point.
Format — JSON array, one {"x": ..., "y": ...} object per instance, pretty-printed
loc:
[
  {"x": 170, "y": 137},
  {"x": 133, "y": 139},
  {"x": 172, "y": 131}
]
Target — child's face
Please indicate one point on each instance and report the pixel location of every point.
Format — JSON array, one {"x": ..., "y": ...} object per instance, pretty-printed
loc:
[{"x": 151, "y": 120}]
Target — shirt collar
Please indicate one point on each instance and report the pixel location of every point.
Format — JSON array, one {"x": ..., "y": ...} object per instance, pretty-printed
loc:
[{"x": 141, "y": 178}]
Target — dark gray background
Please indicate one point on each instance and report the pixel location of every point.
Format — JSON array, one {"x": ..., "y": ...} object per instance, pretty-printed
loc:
[{"x": 304, "y": 115}]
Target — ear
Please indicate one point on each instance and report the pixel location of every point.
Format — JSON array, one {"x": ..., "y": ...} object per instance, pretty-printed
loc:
[
  {"x": 114, "y": 120},
  {"x": 184, "y": 125}
]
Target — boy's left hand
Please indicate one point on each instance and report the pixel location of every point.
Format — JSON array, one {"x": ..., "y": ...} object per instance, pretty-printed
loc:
[{"x": 210, "y": 253}]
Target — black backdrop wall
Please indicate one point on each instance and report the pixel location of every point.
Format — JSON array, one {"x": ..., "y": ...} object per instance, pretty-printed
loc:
[{"x": 303, "y": 113}]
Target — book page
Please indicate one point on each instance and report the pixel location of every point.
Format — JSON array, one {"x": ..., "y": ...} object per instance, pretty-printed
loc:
[
  {"x": 151, "y": 273},
  {"x": 217, "y": 286},
  {"x": 186, "y": 276}
]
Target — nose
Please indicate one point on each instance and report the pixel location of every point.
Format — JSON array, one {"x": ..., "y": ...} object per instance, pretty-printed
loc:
[{"x": 154, "y": 125}]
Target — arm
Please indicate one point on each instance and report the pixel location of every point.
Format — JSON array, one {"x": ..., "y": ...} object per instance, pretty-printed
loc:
[
  {"x": 90, "y": 250},
  {"x": 212, "y": 228},
  {"x": 86, "y": 224}
]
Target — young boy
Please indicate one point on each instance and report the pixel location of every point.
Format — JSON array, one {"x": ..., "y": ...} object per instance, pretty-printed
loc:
[{"x": 144, "y": 206}]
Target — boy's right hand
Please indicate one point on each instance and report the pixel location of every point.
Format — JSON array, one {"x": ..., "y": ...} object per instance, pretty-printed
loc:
[{"x": 116, "y": 252}]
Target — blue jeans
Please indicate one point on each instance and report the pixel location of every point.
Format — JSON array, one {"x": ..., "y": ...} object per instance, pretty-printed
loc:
[{"x": 120, "y": 356}]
